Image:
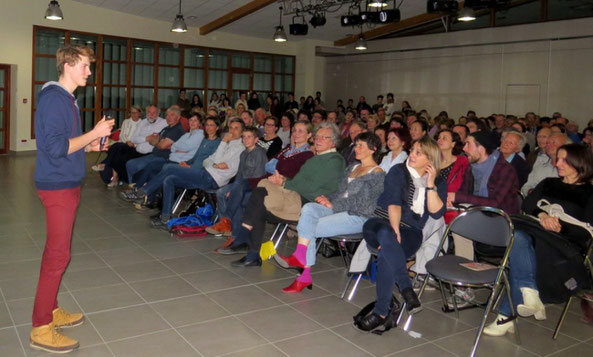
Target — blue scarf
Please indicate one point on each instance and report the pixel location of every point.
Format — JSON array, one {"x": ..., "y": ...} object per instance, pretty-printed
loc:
[{"x": 482, "y": 172}]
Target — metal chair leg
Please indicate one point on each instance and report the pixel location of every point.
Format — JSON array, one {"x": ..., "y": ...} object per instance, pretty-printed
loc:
[
  {"x": 351, "y": 295},
  {"x": 483, "y": 322},
  {"x": 178, "y": 201},
  {"x": 281, "y": 235},
  {"x": 562, "y": 316}
]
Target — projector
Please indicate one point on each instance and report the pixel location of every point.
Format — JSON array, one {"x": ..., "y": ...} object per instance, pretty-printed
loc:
[
  {"x": 441, "y": 6},
  {"x": 298, "y": 29}
]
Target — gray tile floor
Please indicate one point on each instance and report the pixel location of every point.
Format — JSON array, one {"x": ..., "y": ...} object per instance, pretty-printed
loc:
[{"x": 147, "y": 294}]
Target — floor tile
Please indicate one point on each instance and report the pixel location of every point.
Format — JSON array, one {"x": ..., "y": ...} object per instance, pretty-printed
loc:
[
  {"x": 328, "y": 311},
  {"x": 91, "y": 351},
  {"x": 582, "y": 349},
  {"x": 243, "y": 299},
  {"x": 168, "y": 251},
  {"x": 104, "y": 298},
  {"x": 279, "y": 322},
  {"x": 143, "y": 271},
  {"x": 265, "y": 350},
  {"x": 102, "y": 244},
  {"x": 22, "y": 309},
  {"x": 222, "y": 336},
  {"x": 159, "y": 344},
  {"x": 11, "y": 253},
  {"x": 5, "y": 320},
  {"x": 127, "y": 322},
  {"x": 461, "y": 344},
  {"x": 20, "y": 269},
  {"x": 9, "y": 343},
  {"x": 274, "y": 288},
  {"x": 322, "y": 343},
  {"x": 85, "y": 262},
  {"x": 80, "y": 279},
  {"x": 212, "y": 280},
  {"x": 190, "y": 264},
  {"x": 125, "y": 256},
  {"x": 391, "y": 341},
  {"x": 425, "y": 350},
  {"x": 19, "y": 288},
  {"x": 163, "y": 288},
  {"x": 189, "y": 310}
]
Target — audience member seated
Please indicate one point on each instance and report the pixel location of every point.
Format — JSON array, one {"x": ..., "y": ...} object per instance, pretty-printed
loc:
[
  {"x": 418, "y": 129},
  {"x": 286, "y": 123},
  {"x": 413, "y": 192},
  {"x": 535, "y": 270},
  {"x": 120, "y": 153},
  {"x": 342, "y": 212},
  {"x": 162, "y": 143},
  {"x": 349, "y": 118},
  {"x": 218, "y": 169},
  {"x": 126, "y": 131},
  {"x": 381, "y": 132},
  {"x": 288, "y": 163},
  {"x": 544, "y": 164},
  {"x": 398, "y": 143},
  {"x": 490, "y": 180},
  {"x": 252, "y": 162},
  {"x": 462, "y": 130},
  {"x": 284, "y": 197},
  {"x": 182, "y": 150},
  {"x": 541, "y": 140},
  {"x": 318, "y": 117},
  {"x": 511, "y": 146},
  {"x": 270, "y": 141},
  {"x": 476, "y": 124},
  {"x": 454, "y": 165},
  {"x": 588, "y": 137},
  {"x": 347, "y": 146}
]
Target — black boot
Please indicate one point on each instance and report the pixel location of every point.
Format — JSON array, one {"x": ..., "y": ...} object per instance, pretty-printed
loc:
[
  {"x": 369, "y": 322},
  {"x": 412, "y": 303}
]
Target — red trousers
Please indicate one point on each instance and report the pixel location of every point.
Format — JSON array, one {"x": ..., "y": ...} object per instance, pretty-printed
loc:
[{"x": 60, "y": 213}]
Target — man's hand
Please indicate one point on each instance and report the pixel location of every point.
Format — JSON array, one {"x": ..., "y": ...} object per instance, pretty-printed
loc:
[
  {"x": 221, "y": 166},
  {"x": 277, "y": 179},
  {"x": 153, "y": 139},
  {"x": 450, "y": 199},
  {"x": 130, "y": 144},
  {"x": 103, "y": 128},
  {"x": 550, "y": 223},
  {"x": 184, "y": 164},
  {"x": 322, "y": 200},
  {"x": 227, "y": 137}
]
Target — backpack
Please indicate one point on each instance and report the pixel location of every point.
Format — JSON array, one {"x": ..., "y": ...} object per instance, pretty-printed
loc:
[{"x": 390, "y": 319}]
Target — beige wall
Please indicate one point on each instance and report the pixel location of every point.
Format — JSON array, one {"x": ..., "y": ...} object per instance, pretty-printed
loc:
[
  {"x": 543, "y": 71},
  {"x": 16, "y": 32}
]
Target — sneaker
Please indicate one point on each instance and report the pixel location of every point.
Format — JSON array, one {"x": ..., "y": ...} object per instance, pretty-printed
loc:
[
  {"x": 48, "y": 339},
  {"x": 128, "y": 196},
  {"x": 98, "y": 168},
  {"x": 460, "y": 303},
  {"x": 223, "y": 227},
  {"x": 112, "y": 184},
  {"x": 64, "y": 319},
  {"x": 500, "y": 327},
  {"x": 432, "y": 284},
  {"x": 141, "y": 197}
]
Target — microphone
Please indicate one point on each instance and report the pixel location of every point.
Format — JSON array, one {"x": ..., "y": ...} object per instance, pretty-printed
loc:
[{"x": 102, "y": 143}]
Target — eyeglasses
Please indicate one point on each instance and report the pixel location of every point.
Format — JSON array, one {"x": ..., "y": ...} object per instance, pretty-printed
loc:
[
  {"x": 270, "y": 124},
  {"x": 322, "y": 137}
]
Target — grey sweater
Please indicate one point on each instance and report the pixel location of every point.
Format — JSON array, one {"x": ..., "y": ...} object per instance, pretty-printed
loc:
[
  {"x": 359, "y": 197},
  {"x": 252, "y": 163}
]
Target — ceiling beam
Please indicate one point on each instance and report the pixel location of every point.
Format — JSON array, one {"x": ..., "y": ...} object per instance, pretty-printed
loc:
[
  {"x": 389, "y": 28},
  {"x": 235, "y": 15}
]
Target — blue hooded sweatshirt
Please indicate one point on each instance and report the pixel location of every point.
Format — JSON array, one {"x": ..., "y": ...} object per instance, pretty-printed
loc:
[{"x": 57, "y": 120}]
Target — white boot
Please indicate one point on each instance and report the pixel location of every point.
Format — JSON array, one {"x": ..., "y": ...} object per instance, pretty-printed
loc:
[
  {"x": 499, "y": 329},
  {"x": 532, "y": 305}
]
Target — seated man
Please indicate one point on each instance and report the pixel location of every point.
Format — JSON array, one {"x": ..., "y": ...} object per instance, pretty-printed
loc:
[
  {"x": 252, "y": 164},
  {"x": 347, "y": 151},
  {"x": 490, "y": 180},
  {"x": 119, "y": 154},
  {"x": 544, "y": 164},
  {"x": 218, "y": 169},
  {"x": 511, "y": 145},
  {"x": 162, "y": 143},
  {"x": 182, "y": 150}
]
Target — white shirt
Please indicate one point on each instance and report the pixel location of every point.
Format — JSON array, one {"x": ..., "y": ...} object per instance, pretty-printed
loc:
[
  {"x": 144, "y": 129},
  {"x": 387, "y": 163},
  {"x": 542, "y": 168},
  {"x": 127, "y": 129},
  {"x": 229, "y": 153},
  {"x": 285, "y": 136}
]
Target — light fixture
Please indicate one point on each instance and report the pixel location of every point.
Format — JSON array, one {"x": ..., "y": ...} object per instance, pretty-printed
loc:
[
  {"x": 53, "y": 11},
  {"x": 361, "y": 43},
  {"x": 280, "y": 35},
  {"x": 318, "y": 20},
  {"x": 466, "y": 14},
  {"x": 179, "y": 23},
  {"x": 376, "y": 4}
]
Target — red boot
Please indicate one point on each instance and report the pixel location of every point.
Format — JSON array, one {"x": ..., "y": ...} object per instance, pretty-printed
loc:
[
  {"x": 297, "y": 287},
  {"x": 288, "y": 262}
]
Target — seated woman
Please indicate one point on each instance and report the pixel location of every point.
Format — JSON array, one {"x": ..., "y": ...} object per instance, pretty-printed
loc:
[
  {"x": 574, "y": 192},
  {"x": 271, "y": 142},
  {"x": 288, "y": 163},
  {"x": 454, "y": 164},
  {"x": 342, "y": 212},
  {"x": 413, "y": 191},
  {"x": 398, "y": 143},
  {"x": 320, "y": 175},
  {"x": 286, "y": 123}
]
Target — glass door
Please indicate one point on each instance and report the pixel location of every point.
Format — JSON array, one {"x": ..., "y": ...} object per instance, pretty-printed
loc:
[{"x": 4, "y": 108}]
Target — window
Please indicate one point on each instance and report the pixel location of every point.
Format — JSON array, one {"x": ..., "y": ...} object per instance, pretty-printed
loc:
[{"x": 140, "y": 72}]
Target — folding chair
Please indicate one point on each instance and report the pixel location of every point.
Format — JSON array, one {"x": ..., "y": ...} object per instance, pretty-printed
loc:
[
  {"x": 281, "y": 225},
  {"x": 485, "y": 225},
  {"x": 556, "y": 210},
  {"x": 342, "y": 240}
]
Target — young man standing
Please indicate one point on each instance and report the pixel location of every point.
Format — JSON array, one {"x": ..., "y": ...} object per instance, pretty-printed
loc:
[{"x": 59, "y": 172}]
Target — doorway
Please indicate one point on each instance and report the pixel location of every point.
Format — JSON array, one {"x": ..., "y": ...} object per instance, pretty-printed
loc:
[{"x": 4, "y": 108}]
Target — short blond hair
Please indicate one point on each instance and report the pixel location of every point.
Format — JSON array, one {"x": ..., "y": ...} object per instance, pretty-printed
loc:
[
  {"x": 431, "y": 149},
  {"x": 71, "y": 54}
]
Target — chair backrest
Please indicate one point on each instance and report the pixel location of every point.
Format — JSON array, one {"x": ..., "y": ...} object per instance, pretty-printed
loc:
[{"x": 485, "y": 225}]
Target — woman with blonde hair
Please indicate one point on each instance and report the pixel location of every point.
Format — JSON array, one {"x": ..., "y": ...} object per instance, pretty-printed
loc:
[{"x": 413, "y": 191}]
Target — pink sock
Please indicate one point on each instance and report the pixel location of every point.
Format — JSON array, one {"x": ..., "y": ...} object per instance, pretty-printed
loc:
[
  {"x": 305, "y": 277},
  {"x": 301, "y": 253}
]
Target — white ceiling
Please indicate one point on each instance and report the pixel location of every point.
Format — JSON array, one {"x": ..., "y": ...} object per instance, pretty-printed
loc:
[{"x": 258, "y": 24}]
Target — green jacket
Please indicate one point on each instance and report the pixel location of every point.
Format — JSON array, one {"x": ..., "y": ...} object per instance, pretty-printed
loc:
[{"x": 320, "y": 175}]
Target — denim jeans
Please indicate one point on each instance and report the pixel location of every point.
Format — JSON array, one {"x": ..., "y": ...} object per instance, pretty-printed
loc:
[
  {"x": 236, "y": 190},
  {"x": 135, "y": 165},
  {"x": 391, "y": 261},
  {"x": 522, "y": 270},
  {"x": 149, "y": 171},
  {"x": 184, "y": 178},
  {"x": 318, "y": 221}
]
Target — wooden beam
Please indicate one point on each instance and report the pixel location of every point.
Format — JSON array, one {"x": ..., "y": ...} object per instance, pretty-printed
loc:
[
  {"x": 390, "y": 28},
  {"x": 235, "y": 15}
]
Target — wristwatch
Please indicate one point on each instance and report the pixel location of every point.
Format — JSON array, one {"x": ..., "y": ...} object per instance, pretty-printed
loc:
[{"x": 431, "y": 188}]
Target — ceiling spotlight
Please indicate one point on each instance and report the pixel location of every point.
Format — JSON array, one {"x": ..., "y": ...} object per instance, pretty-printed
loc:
[
  {"x": 317, "y": 20},
  {"x": 361, "y": 44},
  {"x": 179, "y": 23},
  {"x": 441, "y": 6},
  {"x": 466, "y": 14},
  {"x": 350, "y": 20},
  {"x": 376, "y": 4},
  {"x": 53, "y": 11}
]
